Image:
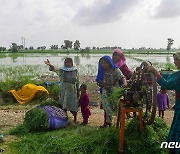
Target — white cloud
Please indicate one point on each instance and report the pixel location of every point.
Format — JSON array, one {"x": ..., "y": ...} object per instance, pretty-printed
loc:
[
  {"x": 168, "y": 9},
  {"x": 103, "y": 11},
  {"x": 126, "y": 23}
]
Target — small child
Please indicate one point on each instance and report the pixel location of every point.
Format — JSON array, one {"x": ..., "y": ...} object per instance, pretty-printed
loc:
[
  {"x": 163, "y": 101},
  {"x": 84, "y": 103}
]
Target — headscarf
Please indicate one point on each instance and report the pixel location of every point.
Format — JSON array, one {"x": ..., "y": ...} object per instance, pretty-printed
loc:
[
  {"x": 177, "y": 54},
  {"x": 65, "y": 68},
  {"x": 101, "y": 70},
  {"x": 68, "y": 69},
  {"x": 122, "y": 60}
]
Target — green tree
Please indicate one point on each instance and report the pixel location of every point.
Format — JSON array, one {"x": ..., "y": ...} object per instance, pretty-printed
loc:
[
  {"x": 14, "y": 47},
  {"x": 170, "y": 43},
  {"x": 20, "y": 47},
  {"x": 2, "y": 48},
  {"x": 31, "y": 48},
  {"x": 67, "y": 44},
  {"x": 76, "y": 45},
  {"x": 54, "y": 47},
  {"x": 43, "y": 47}
]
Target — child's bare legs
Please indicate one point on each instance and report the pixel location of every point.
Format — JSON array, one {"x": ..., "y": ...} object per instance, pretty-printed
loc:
[
  {"x": 159, "y": 113},
  {"x": 105, "y": 123},
  {"x": 85, "y": 120},
  {"x": 75, "y": 116},
  {"x": 162, "y": 114}
]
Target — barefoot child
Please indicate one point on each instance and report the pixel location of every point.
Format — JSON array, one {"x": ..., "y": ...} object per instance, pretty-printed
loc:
[
  {"x": 69, "y": 86},
  {"x": 84, "y": 103},
  {"x": 163, "y": 101}
]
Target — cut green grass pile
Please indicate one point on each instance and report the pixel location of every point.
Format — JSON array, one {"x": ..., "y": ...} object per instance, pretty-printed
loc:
[{"x": 76, "y": 139}]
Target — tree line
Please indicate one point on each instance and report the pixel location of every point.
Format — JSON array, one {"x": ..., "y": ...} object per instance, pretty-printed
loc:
[{"x": 76, "y": 46}]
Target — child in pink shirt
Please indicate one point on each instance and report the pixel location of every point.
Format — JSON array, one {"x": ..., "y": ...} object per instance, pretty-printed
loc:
[{"x": 84, "y": 103}]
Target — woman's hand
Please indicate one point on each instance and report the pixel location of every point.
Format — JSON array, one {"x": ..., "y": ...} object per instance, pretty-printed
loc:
[
  {"x": 47, "y": 62},
  {"x": 152, "y": 70},
  {"x": 124, "y": 82}
]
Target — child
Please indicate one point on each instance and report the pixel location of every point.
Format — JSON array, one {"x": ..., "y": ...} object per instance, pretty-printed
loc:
[
  {"x": 163, "y": 100},
  {"x": 108, "y": 78},
  {"x": 84, "y": 103},
  {"x": 69, "y": 83}
]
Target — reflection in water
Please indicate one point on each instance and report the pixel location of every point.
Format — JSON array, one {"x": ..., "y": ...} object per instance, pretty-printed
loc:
[
  {"x": 87, "y": 56},
  {"x": 167, "y": 62},
  {"x": 168, "y": 59},
  {"x": 14, "y": 59},
  {"x": 87, "y": 63},
  {"x": 88, "y": 69},
  {"x": 77, "y": 60}
]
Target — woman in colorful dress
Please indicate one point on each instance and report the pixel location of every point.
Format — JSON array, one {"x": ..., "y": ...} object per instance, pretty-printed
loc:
[
  {"x": 108, "y": 78},
  {"x": 69, "y": 85},
  {"x": 172, "y": 83}
]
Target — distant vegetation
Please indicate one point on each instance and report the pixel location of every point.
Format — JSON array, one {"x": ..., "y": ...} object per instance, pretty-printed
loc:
[
  {"x": 69, "y": 47},
  {"x": 92, "y": 51}
]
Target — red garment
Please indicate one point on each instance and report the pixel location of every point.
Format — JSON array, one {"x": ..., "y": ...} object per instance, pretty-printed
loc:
[
  {"x": 85, "y": 108},
  {"x": 126, "y": 71},
  {"x": 122, "y": 64}
]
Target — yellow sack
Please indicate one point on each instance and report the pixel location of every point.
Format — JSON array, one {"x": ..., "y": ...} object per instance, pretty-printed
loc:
[{"x": 27, "y": 93}]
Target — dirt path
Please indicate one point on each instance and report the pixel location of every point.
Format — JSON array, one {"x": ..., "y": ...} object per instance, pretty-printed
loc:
[{"x": 12, "y": 117}]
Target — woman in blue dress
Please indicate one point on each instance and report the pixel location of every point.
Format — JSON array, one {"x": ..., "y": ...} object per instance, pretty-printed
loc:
[{"x": 172, "y": 83}]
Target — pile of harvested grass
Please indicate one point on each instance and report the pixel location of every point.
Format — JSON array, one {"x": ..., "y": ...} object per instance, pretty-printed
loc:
[
  {"x": 86, "y": 139},
  {"x": 36, "y": 120}
]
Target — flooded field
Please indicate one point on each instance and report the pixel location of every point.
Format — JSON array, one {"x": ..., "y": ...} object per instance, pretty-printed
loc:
[{"x": 33, "y": 64}]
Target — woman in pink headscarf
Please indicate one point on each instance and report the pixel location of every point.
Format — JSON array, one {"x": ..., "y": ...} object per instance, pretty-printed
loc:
[{"x": 120, "y": 61}]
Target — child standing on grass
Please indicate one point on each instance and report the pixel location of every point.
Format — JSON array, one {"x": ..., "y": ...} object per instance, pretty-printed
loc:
[
  {"x": 84, "y": 103},
  {"x": 69, "y": 85},
  {"x": 163, "y": 101}
]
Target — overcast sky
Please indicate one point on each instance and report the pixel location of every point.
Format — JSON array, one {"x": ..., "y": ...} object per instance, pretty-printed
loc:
[{"x": 125, "y": 23}]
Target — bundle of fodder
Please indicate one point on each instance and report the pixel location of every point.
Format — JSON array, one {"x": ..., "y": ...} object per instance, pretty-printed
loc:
[
  {"x": 45, "y": 118},
  {"x": 117, "y": 94},
  {"x": 147, "y": 141},
  {"x": 50, "y": 102}
]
